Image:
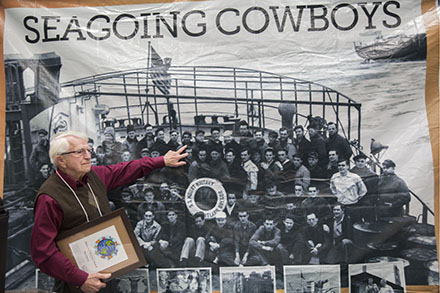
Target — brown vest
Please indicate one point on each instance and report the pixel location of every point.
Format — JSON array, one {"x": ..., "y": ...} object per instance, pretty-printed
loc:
[{"x": 73, "y": 213}]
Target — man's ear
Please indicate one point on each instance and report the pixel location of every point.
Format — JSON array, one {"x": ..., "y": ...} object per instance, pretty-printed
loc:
[{"x": 61, "y": 161}]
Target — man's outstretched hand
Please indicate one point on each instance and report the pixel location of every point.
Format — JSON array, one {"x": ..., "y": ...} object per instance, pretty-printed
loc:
[{"x": 172, "y": 158}]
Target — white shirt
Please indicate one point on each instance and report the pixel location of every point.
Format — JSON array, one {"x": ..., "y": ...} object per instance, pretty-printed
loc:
[{"x": 348, "y": 189}]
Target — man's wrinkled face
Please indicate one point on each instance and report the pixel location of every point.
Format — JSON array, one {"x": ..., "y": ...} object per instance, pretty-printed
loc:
[
  {"x": 231, "y": 199},
  {"x": 229, "y": 157},
  {"x": 288, "y": 223},
  {"x": 172, "y": 217},
  {"x": 332, "y": 130},
  {"x": 312, "y": 220},
  {"x": 360, "y": 163},
  {"x": 268, "y": 156},
  {"x": 199, "y": 222},
  {"x": 269, "y": 225},
  {"x": 131, "y": 134},
  {"x": 202, "y": 156},
  {"x": 282, "y": 156},
  {"x": 284, "y": 135},
  {"x": 78, "y": 162},
  {"x": 243, "y": 217},
  {"x": 221, "y": 222}
]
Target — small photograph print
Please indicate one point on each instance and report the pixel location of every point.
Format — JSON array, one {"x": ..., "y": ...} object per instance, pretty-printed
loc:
[
  {"x": 377, "y": 278},
  {"x": 247, "y": 279},
  {"x": 312, "y": 278},
  {"x": 184, "y": 280},
  {"x": 43, "y": 281},
  {"x": 134, "y": 282}
]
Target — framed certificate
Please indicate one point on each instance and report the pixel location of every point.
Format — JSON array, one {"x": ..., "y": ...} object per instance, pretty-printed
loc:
[{"x": 106, "y": 245}]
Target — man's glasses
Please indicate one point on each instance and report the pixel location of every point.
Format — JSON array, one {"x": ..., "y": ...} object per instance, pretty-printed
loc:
[{"x": 79, "y": 152}]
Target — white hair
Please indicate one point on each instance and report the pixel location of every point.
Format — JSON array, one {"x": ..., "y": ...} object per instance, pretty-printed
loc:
[{"x": 60, "y": 143}]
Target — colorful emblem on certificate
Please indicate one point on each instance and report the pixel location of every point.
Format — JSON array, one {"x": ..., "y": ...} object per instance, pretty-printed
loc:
[{"x": 106, "y": 247}]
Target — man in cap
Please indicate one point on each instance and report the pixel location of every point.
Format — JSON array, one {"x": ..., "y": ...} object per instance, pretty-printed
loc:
[
  {"x": 370, "y": 180},
  {"x": 74, "y": 194},
  {"x": 40, "y": 152},
  {"x": 130, "y": 143},
  {"x": 392, "y": 191},
  {"x": 112, "y": 147},
  {"x": 336, "y": 142}
]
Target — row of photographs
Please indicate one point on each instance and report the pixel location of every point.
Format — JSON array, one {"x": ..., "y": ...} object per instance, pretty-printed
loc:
[{"x": 363, "y": 278}]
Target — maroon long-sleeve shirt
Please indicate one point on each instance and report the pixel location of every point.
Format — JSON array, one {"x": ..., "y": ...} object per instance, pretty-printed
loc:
[{"x": 48, "y": 216}]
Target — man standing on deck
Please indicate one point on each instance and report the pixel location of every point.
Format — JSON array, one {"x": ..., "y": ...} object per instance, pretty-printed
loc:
[
  {"x": 74, "y": 194},
  {"x": 337, "y": 142},
  {"x": 348, "y": 189}
]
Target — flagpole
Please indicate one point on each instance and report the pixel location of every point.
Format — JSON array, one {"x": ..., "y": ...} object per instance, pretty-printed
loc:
[{"x": 147, "y": 77}]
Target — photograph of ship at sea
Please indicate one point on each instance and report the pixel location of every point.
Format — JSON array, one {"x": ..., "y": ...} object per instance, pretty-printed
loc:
[{"x": 241, "y": 99}]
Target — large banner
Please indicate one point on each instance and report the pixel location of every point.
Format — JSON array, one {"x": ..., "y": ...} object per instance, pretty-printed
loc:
[{"x": 311, "y": 129}]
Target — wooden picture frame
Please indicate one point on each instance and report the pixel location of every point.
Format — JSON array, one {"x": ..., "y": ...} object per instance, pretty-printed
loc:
[{"x": 106, "y": 245}]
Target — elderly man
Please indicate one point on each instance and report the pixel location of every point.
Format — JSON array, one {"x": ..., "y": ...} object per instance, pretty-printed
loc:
[
  {"x": 74, "y": 194},
  {"x": 348, "y": 189}
]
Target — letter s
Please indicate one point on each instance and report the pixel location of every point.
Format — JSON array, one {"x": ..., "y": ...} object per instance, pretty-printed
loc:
[
  {"x": 396, "y": 16},
  {"x": 34, "y": 30}
]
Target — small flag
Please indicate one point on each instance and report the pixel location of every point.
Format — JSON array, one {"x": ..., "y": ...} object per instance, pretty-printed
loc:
[{"x": 159, "y": 72}]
